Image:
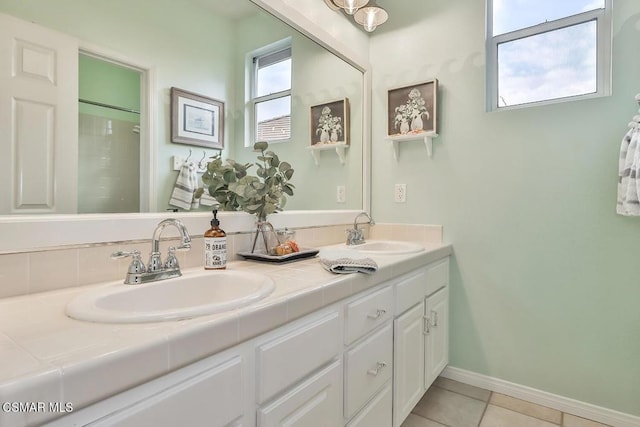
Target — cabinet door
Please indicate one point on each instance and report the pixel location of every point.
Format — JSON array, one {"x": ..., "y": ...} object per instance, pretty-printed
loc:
[
  {"x": 437, "y": 343},
  {"x": 314, "y": 403},
  {"x": 409, "y": 363}
]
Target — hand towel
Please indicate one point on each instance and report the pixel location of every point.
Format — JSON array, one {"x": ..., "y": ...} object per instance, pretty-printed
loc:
[
  {"x": 628, "y": 202},
  {"x": 345, "y": 262},
  {"x": 207, "y": 200},
  {"x": 185, "y": 188}
]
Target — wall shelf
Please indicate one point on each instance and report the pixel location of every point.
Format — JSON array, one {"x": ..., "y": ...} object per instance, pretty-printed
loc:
[
  {"x": 340, "y": 150},
  {"x": 427, "y": 137}
]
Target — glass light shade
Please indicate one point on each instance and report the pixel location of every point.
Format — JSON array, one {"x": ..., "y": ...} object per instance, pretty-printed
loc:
[
  {"x": 350, "y": 6},
  {"x": 371, "y": 16}
]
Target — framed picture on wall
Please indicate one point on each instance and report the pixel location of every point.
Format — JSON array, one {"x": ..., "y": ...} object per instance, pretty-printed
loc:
[
  {"x": 196, "y": 119},
  {"x": 412, "y": 109},
  {"x": 330, "y": 123}
]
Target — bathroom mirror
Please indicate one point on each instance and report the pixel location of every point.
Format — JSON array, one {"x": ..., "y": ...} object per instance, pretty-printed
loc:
[{"x": 202, "y": 46}]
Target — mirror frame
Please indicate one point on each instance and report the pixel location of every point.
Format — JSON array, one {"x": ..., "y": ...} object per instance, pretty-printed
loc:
[{"x": 32, "y": 233}]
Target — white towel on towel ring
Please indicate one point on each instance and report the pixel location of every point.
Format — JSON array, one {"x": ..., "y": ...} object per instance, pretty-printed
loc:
[
  {"x": 629, "y": 171},
  {"x": 185, "y": 188}
]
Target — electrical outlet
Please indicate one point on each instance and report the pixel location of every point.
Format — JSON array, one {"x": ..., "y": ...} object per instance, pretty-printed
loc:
[
  {"x": 400, "y": 193},
  {"x": 341, "y": 196}
]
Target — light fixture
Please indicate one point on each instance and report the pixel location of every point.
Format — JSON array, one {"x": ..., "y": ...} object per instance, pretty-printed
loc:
[
  {"x": 365, "y": 12},
  {"x": 371, "y": 16},
  {"x": 350, "y": 6}
]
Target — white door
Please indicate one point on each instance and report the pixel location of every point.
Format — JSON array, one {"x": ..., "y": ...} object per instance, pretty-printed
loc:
[
  {"x": 409, "y": 364},
  {"x": 437, "y": 347},
  {"x": 38, "y": 119}
]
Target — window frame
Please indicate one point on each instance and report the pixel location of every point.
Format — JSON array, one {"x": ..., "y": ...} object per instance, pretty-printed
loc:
[
  {"x": 603, "y": 19},
  {"x": 251, "y": 73}
]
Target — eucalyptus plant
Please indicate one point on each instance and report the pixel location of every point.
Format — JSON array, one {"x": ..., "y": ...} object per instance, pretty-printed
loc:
[{"x": 265, "y": 193}]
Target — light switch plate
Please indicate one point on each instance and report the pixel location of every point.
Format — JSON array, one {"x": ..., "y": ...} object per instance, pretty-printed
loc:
[{"x": 341, "y": 194}]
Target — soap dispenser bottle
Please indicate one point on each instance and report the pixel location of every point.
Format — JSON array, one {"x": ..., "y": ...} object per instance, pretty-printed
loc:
[{"x": 215, "y": 246}]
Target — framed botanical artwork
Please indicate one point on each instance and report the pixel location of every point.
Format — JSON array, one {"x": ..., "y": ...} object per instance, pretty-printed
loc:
[
  {"x": 330, "y": 123},
  {"x": 412, "y": 109},
  {"x": 196, "y": 119}
]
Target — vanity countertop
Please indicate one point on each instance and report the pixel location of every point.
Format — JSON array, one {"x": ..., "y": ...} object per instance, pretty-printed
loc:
[{"x": 47, "y": 356}]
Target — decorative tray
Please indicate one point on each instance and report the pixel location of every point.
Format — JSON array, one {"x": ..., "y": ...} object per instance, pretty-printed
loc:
[{"x": 302, "y": 254}]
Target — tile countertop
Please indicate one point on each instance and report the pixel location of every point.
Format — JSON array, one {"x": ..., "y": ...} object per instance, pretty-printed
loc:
[{"x": 46, "y": 356}]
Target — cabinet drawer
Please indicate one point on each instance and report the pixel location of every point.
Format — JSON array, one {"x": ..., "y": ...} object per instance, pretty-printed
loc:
[
  {"x": 377, "y": 413},
  {"x": 304, "y": 349},
  {"x": 437, "y": 275},
  {"x": 212, "y": 397},
  {"x": 365, "y": 314},
  {"x": 314, "y": 403},
  {"x": 410, "y": 290},
  {"x": 368, "y": 367}
]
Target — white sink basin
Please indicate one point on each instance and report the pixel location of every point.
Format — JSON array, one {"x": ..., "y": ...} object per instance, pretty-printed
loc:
[
  {"x": 191, "y": 295},
  {"x": 387, "y": 247}
]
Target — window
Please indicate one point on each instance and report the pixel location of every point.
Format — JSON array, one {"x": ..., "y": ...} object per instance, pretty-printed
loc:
[
  {"x": 542, "y": 51},
  {"x": 271, "y": 93}
]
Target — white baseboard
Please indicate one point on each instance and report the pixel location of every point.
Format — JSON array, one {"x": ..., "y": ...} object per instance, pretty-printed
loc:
[{"x": 564, "y": 404}]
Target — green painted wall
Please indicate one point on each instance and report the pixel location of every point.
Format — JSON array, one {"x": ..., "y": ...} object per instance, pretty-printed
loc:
[
  {"x": 544, "y": 288},
  {"x": 110, "y": 84}
]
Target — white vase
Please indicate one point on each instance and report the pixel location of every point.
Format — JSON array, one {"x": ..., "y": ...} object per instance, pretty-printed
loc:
[
  {"x": 404, "y": 127},
  {"x": 324, "y": 136},
  {"x": 334, "y": 136},
  {"x": 416, "y": 123}
]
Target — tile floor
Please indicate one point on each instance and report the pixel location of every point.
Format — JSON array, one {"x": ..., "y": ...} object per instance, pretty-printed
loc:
[{"x": 449, "y": 403}]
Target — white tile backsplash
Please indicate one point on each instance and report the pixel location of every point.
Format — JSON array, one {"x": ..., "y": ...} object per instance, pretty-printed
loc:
[{"x": 45, "y": 270}]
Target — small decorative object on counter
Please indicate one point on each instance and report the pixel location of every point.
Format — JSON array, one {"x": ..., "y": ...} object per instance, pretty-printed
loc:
[
  {"x": 286, "y": 243},
  {"x": 286, "y": 248},
  {"x": 215, "y": 246}
]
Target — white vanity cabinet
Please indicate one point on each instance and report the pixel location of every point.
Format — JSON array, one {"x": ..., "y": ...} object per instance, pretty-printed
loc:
[
  {"x": 361, "y": 362},
  {"x": 421, "y": 335}
]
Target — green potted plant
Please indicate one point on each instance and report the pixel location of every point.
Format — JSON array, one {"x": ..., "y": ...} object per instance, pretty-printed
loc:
[{"x": 261, "y": 194}]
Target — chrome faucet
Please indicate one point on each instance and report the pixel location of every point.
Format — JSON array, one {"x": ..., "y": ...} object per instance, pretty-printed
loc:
[
  {"x": 156, "y": 269},
  {"x": 355, "y": 236}
]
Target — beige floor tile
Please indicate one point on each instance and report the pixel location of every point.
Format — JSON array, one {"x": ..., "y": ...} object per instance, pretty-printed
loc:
[
  {"x": 527, "y": 408},
  {"x": 449, "y": 408},
  {"x": 496, "y": 416},
  {"x": 414, "y": 420},
  {"x": 569, "y": 420},
  {"x": 462, "y": 388}
]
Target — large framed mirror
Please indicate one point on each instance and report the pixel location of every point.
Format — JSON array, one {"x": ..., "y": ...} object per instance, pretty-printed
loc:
[{"x": 203, "y": 46}]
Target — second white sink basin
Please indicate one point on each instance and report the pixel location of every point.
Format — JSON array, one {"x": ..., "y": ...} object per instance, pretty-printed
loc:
[
  {"x": 388, "y": 247},
  {"x": 191, "y": 295}
]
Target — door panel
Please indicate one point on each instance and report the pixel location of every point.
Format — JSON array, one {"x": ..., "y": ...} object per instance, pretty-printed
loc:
[{"x": 38, "y": 119}]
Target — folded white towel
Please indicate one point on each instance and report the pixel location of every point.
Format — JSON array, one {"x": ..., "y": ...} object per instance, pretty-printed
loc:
[
  {"x": 628, "y": 202},
  {"x": 185, "y": 187},
  {"x": 348, "y": 265},
  {"x": 345, "y": 262}
]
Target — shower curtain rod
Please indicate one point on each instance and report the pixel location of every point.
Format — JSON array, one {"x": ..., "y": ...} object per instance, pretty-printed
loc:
[{"x": 100, "y": 104}]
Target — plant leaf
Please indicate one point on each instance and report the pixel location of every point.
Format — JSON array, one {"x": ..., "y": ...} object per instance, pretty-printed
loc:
[
  {"x": 260, "y": 145},
  {"x": 288, "y": 174}
]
